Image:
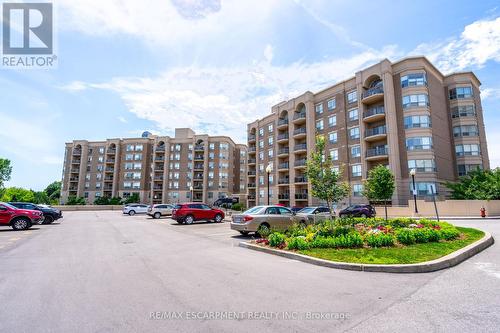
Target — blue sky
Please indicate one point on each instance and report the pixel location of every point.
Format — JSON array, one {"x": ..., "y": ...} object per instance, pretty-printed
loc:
[{"x": 129, "y": 66}]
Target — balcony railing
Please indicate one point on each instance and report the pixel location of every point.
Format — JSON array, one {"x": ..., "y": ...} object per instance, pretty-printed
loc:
[
  {"x": 110, "y": 160},
  {"x": 158, "y": 177},
  {"x": 108, "y": 179},
  {"x": 300, "y": 146},
  {"x": 299, "y": 115},
  {"x": 378, "y": 151},
  {"x": 252, "y": 173},
  {"x": 373, "y": 91},
  {"x": 283, "y": 136},
  {"x": 284, "y": 165},
  {"x": 160, "y": 148},
  {"x": 251, "y": 137},
  {"x": 252, "y": 161},
  {"x": 159, "y": 158},
  {"x": 282, "y": 122},
  {"x": 251, "y": 184},
  {"x": 284, "y": 181},
  {"x": 374, "y": 111},
  {"x": 376, "y": 131},
  {"x": 111, "y": 151},
  {"x": 198, "y": 157},
  {"x": 109, "y": 169},
  {"x": 198, "y": 166},
  {"x": 73, "y": 179},
  {"x": 251, "y": 197},
  {"x": 300, "y": 162},
  {"x": 75, "y": 170},
  {"x": 283, "y": 151},
  {"x": 301, "y": 179},
  {"x": 198, "y": 177},
  {"x": 284, "y": 196},
  {"x": 299, "y": 130},
  {"x": 301, "y": 196},
  {"x": 252, "y": 149},
  {"x": 77, "y": 152}
]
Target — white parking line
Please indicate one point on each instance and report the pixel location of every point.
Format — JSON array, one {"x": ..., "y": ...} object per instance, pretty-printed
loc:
[{"x": 221, "y": 234}]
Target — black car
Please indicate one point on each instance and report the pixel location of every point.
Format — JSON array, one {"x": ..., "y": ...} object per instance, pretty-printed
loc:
[
  {"x": 358, "y": 211},
  {"x": 49, "y": 214},
  {"x": 226, "y": 202}
]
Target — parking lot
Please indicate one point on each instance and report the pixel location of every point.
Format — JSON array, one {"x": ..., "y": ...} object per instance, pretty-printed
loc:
[{"x": 103, "y": 271}]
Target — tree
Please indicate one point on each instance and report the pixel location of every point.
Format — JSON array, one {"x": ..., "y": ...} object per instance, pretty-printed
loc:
[
  {"x": 5, "y": 171},
  {"x": 74, "y": 200},
  {"x": 115, "y": 201},
  {"x": 101, "y": 201},
  {"x": 41, "y": 198},
  {"x": 477, "y": 185},
  {"x": 380, "y": 185},
  {"x": 325, "y": 181},
  {"x": 17, "y": 194},
  {"x": 134, "y": 198},
  {"x": 53, "y": 191}
]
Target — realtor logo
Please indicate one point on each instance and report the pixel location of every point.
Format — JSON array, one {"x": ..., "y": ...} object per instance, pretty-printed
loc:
[{"x": 27, "y": 37}]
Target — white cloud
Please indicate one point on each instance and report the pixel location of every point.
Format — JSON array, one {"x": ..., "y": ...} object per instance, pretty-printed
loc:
[
  {"x": 478, "y": 43},
  {"x": 223, "y": 100},
  {"x": 490, "y": 93},
  {"x": 122, "y": 119}
]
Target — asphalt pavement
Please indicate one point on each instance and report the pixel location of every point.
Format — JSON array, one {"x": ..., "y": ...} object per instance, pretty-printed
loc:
[{"x": 105, "y": 272}]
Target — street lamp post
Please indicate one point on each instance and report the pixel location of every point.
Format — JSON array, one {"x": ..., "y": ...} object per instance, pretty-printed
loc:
[
  {"x": 192, "y": 190},
  {"x": 269, "y": 169},
  {"x": 412, "y": 174}
]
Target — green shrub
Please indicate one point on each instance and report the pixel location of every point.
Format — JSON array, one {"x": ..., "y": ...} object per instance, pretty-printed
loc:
[
  {"x": 264, "y": 231},
  {"x": 379, "y": 240},
  {"x": 401, "y": 222},
  {"x": 434, "y": 235},
  {"x": 449, "y": 233},
  {"x": 296, "y": 230},
  {"x": 276, "y": 239},
  {"x": 297, "y": 243},
  {"x": 324, "y": 242},
  {"x": 238, "y": 206},
  {"x": 405, "y": 236},
  {"x": 422, "y": 235},
  {"x": 351, "y": 240}
]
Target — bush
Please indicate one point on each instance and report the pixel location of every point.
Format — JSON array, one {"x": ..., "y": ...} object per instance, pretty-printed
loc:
[
  {"x": 74, "y": 200},
  {"x": 434, "y": 235},
  {"x": 401, "y": 222},
  {"x": 405, "y": 236},
  {"x": 238, "y": 206},
  {"x": 448, "y": 233},
  {"x": 296, "y": 230},
  {"x": 276, "y": 239},
  {"x": 297, "y": 243},
  {"x": 264, "y": 232},
  {"x": 379, "y": 240},
  {"x": 101, "y": 201},
  {"x": 351, "y": 240}
]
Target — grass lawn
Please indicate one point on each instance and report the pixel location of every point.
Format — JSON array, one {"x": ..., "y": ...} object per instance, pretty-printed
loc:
[{"x": 398, "y": 255}]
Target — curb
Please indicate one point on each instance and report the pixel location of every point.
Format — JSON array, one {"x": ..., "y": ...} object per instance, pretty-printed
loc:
[{"x": 447, "y": 261}]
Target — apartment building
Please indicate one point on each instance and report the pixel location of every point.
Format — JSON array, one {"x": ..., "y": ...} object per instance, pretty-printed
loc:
[
  {"x": 405, "y": 115},
  {"x": 160, "y": 169}
]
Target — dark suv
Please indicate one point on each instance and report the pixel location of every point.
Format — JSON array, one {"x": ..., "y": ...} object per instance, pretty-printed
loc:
[
  {"x": 358, "y": 211},
  {"x": 226, "y": 202},
  {"x": 49, "y": 214}
]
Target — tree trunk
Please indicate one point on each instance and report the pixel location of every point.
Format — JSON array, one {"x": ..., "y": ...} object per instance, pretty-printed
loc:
[{"x": 385, "y": 207}]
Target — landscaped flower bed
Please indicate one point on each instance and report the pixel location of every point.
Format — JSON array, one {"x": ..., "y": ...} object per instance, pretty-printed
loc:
[{"x": 372, "y": 240}]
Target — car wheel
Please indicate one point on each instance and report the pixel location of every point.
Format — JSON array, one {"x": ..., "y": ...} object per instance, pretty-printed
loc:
[
  {"x": 180, "y": 221},
  {"x": 189, "y": 219},
  {"x": 131, "y": 213},
  {"x": 363, "y": 215},
  {"x": 244, "y": 233},
  {"x": 263, "y": 225},
  {"x": 48, "y": 220},
  {"x": 157, "y": 215},
  {"x": 218, "y": 218},
  {"x": 21, "y": 223}
]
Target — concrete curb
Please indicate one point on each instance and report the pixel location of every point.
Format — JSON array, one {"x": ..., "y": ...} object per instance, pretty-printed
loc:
[{"x": 447, "y": 261}]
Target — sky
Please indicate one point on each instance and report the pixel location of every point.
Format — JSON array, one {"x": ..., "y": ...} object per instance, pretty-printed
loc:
[{"x": 129, "y": 66}]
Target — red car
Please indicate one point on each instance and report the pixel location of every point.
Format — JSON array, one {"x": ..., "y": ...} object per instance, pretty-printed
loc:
[
  {"x": 18, "y": 219},
  {"x": 190, "y": 212}
]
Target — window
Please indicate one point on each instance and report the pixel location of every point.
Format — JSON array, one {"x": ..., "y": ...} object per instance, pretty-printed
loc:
[
  {"x": 261, "y": 155},
  {"x": 319, "y": 108},
  {"x": 464, "y": 169},
  {"x": 334, "y": 154},
  {"x": 411, "y": 80},
  {"x": 137, "y": 175},
  {"x": 129, "y": 148},
  {"x": 419, "y": 143},
  {"x": 332, "y": 137},
  {"x": 352, "y": 97},
  {"x": 129, "y": 166},
  {"x": 224, "y": 146},
  {"x": 424, "y": 188},
  {"x": 261, "y": 132},
  {"x": 138, "y": 157},
  {"x": 354, "y": 133},
  {"x": 86, "y": 195},
  {"x": 319, "y": 125},
  {"x": 356, "y": 151},
  {"x": 127, "y": 185},
  {"x": 465, "y": 130},
  {"x": 417, "y": 121},
  {"x": 271, "y": 179},
  {"x": 261, "y": 180},
  {"x": 332, "y": 104},
  {"x": 177, "y": 147},
  {"x": 460, "y": 93},
  {"x": 139, "y": 147},
  {"x": 463, "y": 111},
  {"x": 413, "y": 101},
  {"x": 137, "y": 166},
  {"x": 211, "y": 146},
  {"x": 98, "y": 185},
  {"x": 261, "y": 143},
  {"x": 101, "y": 159},
  {"x": 87, "y": 177},
  {"x": 87, "y": 185},
  {"x": 353, "y": 114},
  {"x": 422, "y": 165},
  {"x": 270, "y": 153},
  {"x": 129, "y": 157},
  {"x": 332, "y": 121},
  {"x": 357, "y": 190},
  {"x": 356, "y": 170},
  {"x": 101, "y": 150},
  {"x": 270, "y": 141},
  {"x": 467, "y": 150}
]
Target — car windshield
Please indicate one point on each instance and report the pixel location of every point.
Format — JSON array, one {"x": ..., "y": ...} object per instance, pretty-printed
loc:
[
  {"x": 9, "y": 206},
  {"x": 307, "y": 210},
  {"x": 178, "y": 206},
  {"x": 253, "y": 210}
]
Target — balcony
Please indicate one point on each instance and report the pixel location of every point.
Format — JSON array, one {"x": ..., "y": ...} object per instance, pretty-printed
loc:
[
  {"x": 111, "y": 151},
  {"x": 199, "y": 148},
  {"x": 73, "y": 179},
  {"x": 77, "y": 152},
  {"x": 251, "y": 197},
  {"x": 73, "y": 189},
  {"x": 108, "y": 178},
  {"x": 283, "y": 166},
  {"x": 251, "y": 138},
  {"x": 252, "y": 173},
  {"x": 282, "y": 137},
  {"x": 376, "y": 133},
  {"x": 284, "y": 181},
  {"x": 158, "y": 178},
  {"x": 159, "y": 159},
  {"x": 252, "y": 149},
  {"x": 252, "y": 161},
  {"x": 373, "y": 95},
  {"x": 299, "y": 132},
  {"x": 374, "y": 114},
  {"x": 282, "y": 123},
  {"x": 377, "y": 153},
  {"x": 77, "y": 161},
  {"x": 159, "y": 169},
  {"x": 109, "y": 169},
  {"x": 283, "y": 151},
  {"x": 299, "y": 117},
  {"x": 160, "y": 149},
  {"x": 110, "y": 161},
  {"x": 300, "y": 163},
  {"x": 251, "y": 185},
  {"x": 301, "y": 147},
  {"x": 198, "y": 166},
  {"x": 198, "y": 177},
  {"x": 284, "y": 196},
  {"x": 198, "y": 157},
  {"x": 301, "y": 196},
  {"x": 300, "y": 180},
  {"x": 75, "y": 170},
  {"x": 108, "y": 188}
]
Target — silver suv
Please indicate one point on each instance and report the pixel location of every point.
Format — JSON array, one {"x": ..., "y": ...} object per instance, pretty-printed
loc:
[
  {"x": 157, "y": 211},
  {"x": 311, "y": 215}
]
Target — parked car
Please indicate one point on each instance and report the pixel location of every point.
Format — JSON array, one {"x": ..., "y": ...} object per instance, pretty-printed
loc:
[
  {"x": 358, "y": 211},
  {"x": 133, "y": 209},
  {"x": 309, "y": 215},
  {"x": 157, "y": 211},
  {"x": 226, "y": 202},
  {"x": 18, "y": 219},
  {"x": 49, "y": 214},
  {"x": 295, "y": 209},
  {"x": 190, "y": 212},
  {"x": 255, "y": 218}
]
